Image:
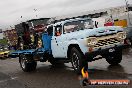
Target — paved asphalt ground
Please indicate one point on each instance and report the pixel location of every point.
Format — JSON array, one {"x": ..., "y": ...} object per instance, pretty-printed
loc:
[{"x": 63, "y": 76}]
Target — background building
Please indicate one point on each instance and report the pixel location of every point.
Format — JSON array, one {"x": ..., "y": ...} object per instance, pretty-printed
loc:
[{"x": 121, "y": 15}]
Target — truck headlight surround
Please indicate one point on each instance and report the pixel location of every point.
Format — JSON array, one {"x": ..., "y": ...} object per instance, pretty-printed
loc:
[
  {"x": 121, "y": 36},
  {"x": 92, "y": 41}
]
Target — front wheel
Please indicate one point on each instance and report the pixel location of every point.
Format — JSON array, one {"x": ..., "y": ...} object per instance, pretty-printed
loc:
[
  {"x": 114, "y": 58},
  {"x": 77, "y": 60},
  {"x": 25, "y": 65},
  {"x": 131, "y": 42}
]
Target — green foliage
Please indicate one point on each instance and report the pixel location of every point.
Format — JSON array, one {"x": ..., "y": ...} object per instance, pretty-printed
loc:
[{"x": 3, "y": 41}]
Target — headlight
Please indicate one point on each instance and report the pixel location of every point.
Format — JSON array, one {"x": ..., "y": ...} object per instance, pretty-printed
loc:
[
  {"x": 92, "y": 41},
  {"x": 121, "y": 36}
]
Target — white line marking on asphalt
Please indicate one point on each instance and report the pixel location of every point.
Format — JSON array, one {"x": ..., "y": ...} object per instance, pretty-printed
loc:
[
  {"x": 14, "y": 77},
  {"x": 3, "y": 81}
]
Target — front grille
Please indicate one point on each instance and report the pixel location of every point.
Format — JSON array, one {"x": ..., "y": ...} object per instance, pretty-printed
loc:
[{"x": 106, "y": 42}]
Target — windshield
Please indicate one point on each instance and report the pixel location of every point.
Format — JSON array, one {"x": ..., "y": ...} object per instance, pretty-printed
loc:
[{"x": 77, "y": 25}]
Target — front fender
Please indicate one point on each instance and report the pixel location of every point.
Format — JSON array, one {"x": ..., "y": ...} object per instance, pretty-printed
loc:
[{"x": 81, "y": 43}]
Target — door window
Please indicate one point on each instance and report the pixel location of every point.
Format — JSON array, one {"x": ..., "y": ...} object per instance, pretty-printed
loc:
[{"x": 58, "y": 30}]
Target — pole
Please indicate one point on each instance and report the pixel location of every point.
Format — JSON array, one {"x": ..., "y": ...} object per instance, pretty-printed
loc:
[
  {"x": 35, "y": 11},
  {"x": 21, "y": 18},
  {"x": 129, "y": 22}
]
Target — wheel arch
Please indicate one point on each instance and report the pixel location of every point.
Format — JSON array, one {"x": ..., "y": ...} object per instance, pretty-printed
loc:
[
  {"x": 71, "y": 46},
  {"x": 29, "y": 57}
]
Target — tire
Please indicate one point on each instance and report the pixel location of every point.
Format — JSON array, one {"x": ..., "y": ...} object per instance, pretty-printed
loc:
[
  {"x": 77, "y": 60},
  {"x": 114, "y": 58},
  {"x": 130, "y": 42},
  {"x": 25, "y": 65}
]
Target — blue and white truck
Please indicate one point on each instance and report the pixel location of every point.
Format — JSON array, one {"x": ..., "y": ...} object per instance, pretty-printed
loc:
[{"x": 75, "y": 41}]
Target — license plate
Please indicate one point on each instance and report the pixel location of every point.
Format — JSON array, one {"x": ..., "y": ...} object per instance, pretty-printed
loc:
[{"x": 111, "y": 50}]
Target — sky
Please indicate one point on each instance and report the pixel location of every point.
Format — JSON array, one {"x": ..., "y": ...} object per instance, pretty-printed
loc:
[{"x": 12, "y": 10}]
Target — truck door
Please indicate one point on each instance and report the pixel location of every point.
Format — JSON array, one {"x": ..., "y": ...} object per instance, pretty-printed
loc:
[{"x": 57, "y": 43}]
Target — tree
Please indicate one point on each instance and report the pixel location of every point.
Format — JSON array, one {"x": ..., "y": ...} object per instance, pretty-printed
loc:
[{"x": 3, "y": 41}]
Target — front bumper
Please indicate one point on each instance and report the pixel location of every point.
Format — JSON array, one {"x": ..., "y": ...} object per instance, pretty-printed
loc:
[
  {"x": 103, "y": 52},
  {"x": 5, "y": 55},
  {"x": 1, "y": 55}
]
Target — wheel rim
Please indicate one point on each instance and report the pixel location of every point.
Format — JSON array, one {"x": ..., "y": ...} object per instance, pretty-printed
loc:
[
  {"x": 75, "y": 61},
  {"x": 23, "y": 60}
]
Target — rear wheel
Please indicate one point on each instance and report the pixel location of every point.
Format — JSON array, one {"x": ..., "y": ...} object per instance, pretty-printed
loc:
[
  {"x": 26, "y": 65},
  {"x": 115, "y": 58},
  {"x": 77, "y": 60}
]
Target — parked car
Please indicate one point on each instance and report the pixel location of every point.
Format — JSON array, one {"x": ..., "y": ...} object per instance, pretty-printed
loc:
[{"x": 4, "y": 52}]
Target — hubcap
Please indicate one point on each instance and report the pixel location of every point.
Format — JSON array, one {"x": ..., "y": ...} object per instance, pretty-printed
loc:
[
  {"x": 75, "y": 61},
  {"x": 23, "y": 60}
]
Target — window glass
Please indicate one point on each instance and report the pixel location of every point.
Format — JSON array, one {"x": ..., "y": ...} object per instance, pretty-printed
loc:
[
  {"x": 58, "y": 30},
  {"x": 129, "y": 8},
  {"x": 77, "y": 25}
]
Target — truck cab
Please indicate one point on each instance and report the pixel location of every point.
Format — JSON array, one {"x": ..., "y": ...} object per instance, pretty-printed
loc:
[{"x": 79, "y": 42}]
